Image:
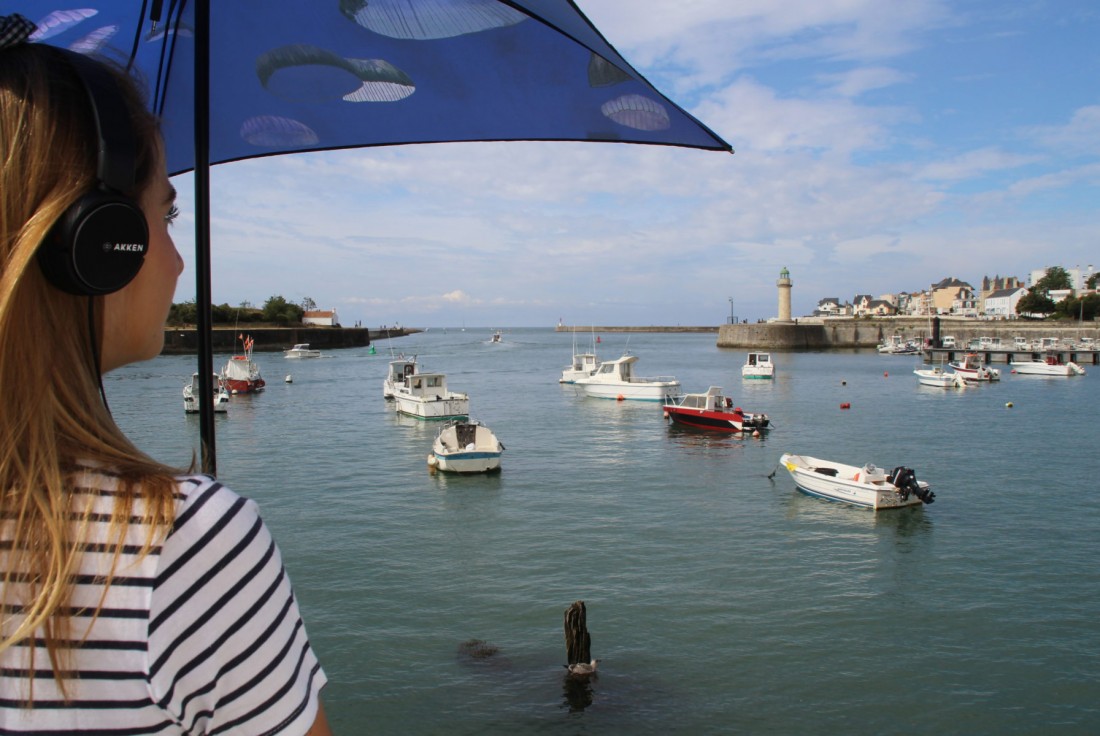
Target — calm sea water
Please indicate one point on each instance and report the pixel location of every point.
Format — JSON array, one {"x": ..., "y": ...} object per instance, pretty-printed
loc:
[{"x": 718, "y": 600}]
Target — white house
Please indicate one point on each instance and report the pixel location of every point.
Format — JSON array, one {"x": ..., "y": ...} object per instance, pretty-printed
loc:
[
  {"x": 1002, "y": 302},
  {"x": 321, "y": 318}
]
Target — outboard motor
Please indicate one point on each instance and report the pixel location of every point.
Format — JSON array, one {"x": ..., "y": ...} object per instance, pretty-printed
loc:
[{"x": 906, "y": 482}]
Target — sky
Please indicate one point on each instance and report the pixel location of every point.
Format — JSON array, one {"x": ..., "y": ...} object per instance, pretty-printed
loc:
[{"x": 880, "y": 147}]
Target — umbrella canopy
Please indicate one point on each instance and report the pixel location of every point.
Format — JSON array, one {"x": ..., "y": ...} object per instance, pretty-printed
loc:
[
  {"x": 249, "y": 78},
  {"x": 307, "y": 75}
]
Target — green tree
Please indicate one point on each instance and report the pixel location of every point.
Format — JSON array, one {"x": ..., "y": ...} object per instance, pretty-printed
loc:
[
  {"x": 1056, "y": 278},
  {"x": 1091, "y": 281},
  {"x": 308, "y": 305},
  {"x": 278, "y": 310},
  {"x": 1084, "y": 308},
  {"x": 1035, "y": 301},
  {"x": 186, "y": 313}
]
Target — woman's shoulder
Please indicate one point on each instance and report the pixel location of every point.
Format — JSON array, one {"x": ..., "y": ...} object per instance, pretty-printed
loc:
[{"x": 202, "y": 501}]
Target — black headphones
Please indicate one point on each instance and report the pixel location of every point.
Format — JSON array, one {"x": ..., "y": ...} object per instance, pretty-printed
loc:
[{"x": 99, "y": 244}]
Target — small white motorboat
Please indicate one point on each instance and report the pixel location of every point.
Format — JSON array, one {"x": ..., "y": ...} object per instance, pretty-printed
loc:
[
  {"x": 498, "y": 336},
  {"x": 583, "y": 366},
  {"x": 465, "y": 447},
  {"x": 425, "y": 396},
  {"x": 972, "y": 368},
  {"x": 191, "y": 395},
  {"x": 615, "y": 379},
  {"x": 1051, "y": 366},
  {"x": 938, "y": 378},
  {"x": 758, "y": 365},
  {"x": 301, "y": 350},
  {"x": 867, "y": 486},
  {"x": 399, "y": 372}
]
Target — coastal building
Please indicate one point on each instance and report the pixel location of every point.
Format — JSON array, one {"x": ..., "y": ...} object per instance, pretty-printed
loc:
[
  {"x": 784, "y": 285},
  {"x": 952, "y": 296},
  {"x": 1002, "y": 302},
  {"x": 1078, "y": 277},
  {"x": 321, "y": 317},
  {"x": 831, "y": 307}
]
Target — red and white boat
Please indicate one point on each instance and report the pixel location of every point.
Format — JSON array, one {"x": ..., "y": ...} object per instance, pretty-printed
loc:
[
  {"x": 715, "y": 412},
  {"x": 241, "y": 375},
  {"x": 972, "y": 368}
]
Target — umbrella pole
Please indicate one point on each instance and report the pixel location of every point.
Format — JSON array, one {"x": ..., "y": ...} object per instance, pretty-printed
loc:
[{"x": 202, "y": 236}]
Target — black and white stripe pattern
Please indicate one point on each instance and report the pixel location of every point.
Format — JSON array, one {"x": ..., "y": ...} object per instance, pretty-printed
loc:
[{"x": 201, "y": 636}]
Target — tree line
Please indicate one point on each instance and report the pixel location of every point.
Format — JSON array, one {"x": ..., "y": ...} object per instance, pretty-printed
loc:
[
  {"x": 276, "y": 310},
  {"x": 1037, "y": 301}
]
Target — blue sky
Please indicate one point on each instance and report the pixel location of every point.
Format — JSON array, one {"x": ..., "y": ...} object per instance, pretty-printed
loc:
[{"x": 880, "y": 147}]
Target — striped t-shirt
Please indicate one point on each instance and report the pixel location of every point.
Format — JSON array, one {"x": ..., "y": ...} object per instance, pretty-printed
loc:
[{"x": 200, "y": 636}]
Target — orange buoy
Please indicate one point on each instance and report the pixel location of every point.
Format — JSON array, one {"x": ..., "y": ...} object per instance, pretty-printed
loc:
[
  {"x": 620, "y": 397},
  {"x": 846, "y": 405},
  {"x": 886, "y": 374}
]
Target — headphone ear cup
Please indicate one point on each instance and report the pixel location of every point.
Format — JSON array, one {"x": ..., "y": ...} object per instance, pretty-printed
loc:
[{"x": 97, "y": 247}]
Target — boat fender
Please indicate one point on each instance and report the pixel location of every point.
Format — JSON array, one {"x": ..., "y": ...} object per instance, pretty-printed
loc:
[
  {"x": 620, "y": 397},
  {"x": 846, "y": 405}
]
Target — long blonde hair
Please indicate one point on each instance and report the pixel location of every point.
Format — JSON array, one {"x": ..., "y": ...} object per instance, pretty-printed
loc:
[{"x": 53, "y": 417}]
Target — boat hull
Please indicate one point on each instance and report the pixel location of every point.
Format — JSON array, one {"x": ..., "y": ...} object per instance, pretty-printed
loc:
[
  {"x": 939, "y": 379},
  {"x": 717, "y": 421},
  {"x": 837, "y": 482},
  {"x": 466, "y": 462},
  {"x": 1038, "y": 368},
  {"x": 634, "y": 391},
  {"x": 451, "y": 407},
  {"x": 242, "y": 386}
]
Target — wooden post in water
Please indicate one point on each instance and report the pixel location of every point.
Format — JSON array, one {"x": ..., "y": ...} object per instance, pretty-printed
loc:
[{"x": 578, "y": 643}]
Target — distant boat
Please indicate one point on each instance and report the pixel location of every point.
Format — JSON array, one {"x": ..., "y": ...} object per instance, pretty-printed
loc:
[
  {"x": 615, "y": 379},
  {"x": 1051, "y": 366},
  {"x": 937, "y": 378},
  {"x": 241, "y": 375},
  {"x": 301, "y": 350},
  {"x": 191, "y": 396},
  {"x": 758, "y": 365},
  {"x": 972, "y": 368},
  {"x": 497, "y": 336},
  {"x": 583, "y": 365}
]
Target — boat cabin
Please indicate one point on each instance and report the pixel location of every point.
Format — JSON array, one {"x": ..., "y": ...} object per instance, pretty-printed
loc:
[
  {"x": 426, "y": 384},
  {"x": 402, "y": 369},
  {"x": 948, "y": 341},
  {"x": 1020, "y": 343},
  {"x": 759, "y": 359},
  {"x": 712, "y": 400}
]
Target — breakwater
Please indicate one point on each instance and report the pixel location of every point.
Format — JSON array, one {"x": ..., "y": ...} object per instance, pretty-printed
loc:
[
  {"x": 840, "y": 332},
  {"x": 180, "y": 341},
  {"x": 647, "y": 328}
]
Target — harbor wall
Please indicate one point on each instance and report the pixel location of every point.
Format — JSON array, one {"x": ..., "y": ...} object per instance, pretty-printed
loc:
[
  {"x": 842, "y": 332},
  {"x": 647, "y": 328},
  {"x": 182, "y": 341}
]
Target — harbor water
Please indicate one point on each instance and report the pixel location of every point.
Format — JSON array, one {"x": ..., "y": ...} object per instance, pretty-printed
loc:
[{"x": 719, "y": 599}]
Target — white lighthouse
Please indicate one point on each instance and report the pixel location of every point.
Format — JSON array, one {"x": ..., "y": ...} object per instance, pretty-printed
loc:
[{"x": 784, "y": 284}]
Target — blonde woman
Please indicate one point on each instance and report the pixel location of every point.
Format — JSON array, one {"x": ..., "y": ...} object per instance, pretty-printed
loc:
[{"x": 135, "y": 599}]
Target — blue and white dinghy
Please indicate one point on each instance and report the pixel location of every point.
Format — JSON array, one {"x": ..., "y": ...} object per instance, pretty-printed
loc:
[{"x": 465, "y": 447}]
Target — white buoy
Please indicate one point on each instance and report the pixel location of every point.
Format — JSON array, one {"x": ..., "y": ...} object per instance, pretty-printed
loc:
[{"x": 289, "y": 378}]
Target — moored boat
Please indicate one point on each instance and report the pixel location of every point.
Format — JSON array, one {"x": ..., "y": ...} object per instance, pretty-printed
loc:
[
  {"x": 425, "y": 396},
  {"x": 713, "y": 411},
  {"x": 1052, "y": 365},
  {"x": 615, "y": 379},
  {"x": 867, "y": 486},
  {"x": 938, "y": 378},
  {"x": 583, "y": 366},
  {"x": 972, "y": 368},
  {"x": 399, "y": 371},
  {"x": 465, "y": 447},
  {"x": 758, "y": 365},
  {"x": 191, "y": 395},
  {"x": 241, "y": 375},
  {"x": 301, "y": 350}
]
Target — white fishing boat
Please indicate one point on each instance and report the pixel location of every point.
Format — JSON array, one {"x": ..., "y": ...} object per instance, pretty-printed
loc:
[
  {"x": 425, "y": 396},
  {"x": 1052, "y": 365},
  {"x": 867, "y": 486},
  {"x": 301, "y": 350},
  {"x": 758, "y": 365},
  {"x": 938, "y": 378},
  {"x": 583, "y": 366},
  {"x": 191, "y": 395},
  {"x": 615, "y": 379},
  {"x": 895, "y": 345},
  {"x": 400, "y": 369},
  {"x": 972, "y": 368},
  {"x": 465, "y": 447}
]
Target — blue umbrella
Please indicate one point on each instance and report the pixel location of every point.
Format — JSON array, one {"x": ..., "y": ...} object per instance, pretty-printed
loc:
[{"x": 249, "y": 78}]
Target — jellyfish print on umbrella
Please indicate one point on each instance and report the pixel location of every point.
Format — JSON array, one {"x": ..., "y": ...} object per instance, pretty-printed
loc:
[{"x": 249, "y": 78}]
